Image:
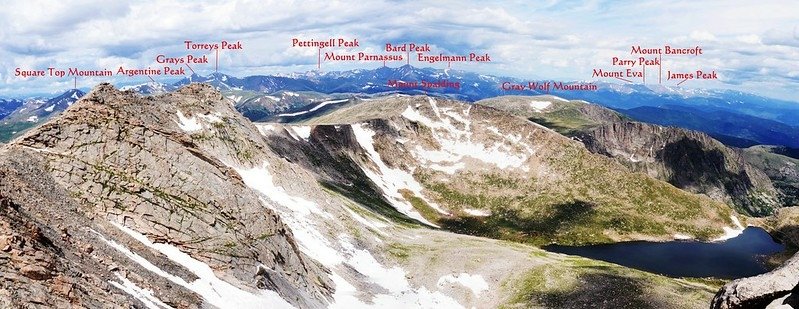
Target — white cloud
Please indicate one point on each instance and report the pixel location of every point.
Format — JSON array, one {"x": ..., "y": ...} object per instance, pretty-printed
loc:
[{"x": 551, "y": 39}]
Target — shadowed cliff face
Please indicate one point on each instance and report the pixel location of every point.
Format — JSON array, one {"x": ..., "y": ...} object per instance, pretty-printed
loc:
[
  {"x": 780, "y": 167},
  {"x": 705, "y": 170},
  {"x": 689, "y": 160}
]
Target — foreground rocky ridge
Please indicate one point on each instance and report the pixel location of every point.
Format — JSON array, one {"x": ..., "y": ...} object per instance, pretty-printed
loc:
[{"x": 126, "y": 164}]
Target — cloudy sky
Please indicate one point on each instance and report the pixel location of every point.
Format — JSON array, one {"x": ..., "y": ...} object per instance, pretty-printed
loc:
[{"x": 753, "y": 46}]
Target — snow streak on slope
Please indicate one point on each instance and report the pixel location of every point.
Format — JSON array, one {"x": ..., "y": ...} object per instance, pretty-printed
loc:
[
  {"x": 215, "y": 291},
  {"x": 144, "y": 295},
  {"x": 476, "y": 283},
  {"x": 315, "y": 108},
  {"x": 297, "y": 214},
  {"x": 391, "y": 180}
]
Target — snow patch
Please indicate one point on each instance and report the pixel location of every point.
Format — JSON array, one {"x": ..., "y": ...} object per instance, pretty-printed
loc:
[
  {"x": 731, "y": 232},
  {"x": 264, "y": 128},
  {"x": 400, "y": 293},
  {"x": 261, "y": 180},
  {"x": 188, "y": 124},
  {"x": 539, "y": 105},
  {"x": 302, "y": 131},
  {"x": 476, "y": 283},
  {"x": 33, "y": 119},
  {"x": 477, "y": 212},
  {"x": 391, "y": 279},
  {"x": 49, "y": 108},
  {"x": 235, "y": 98}
]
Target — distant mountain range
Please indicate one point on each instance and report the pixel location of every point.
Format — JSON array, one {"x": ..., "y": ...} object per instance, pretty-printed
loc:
[
  {"x": 736, "y": 118},
  {"x": 33, "y": 111}
]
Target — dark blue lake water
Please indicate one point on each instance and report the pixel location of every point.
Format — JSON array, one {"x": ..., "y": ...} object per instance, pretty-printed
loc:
[{"x": 737, "y": 257}]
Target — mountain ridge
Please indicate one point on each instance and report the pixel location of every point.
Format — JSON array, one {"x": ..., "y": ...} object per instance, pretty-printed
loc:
[
  {"x": 690, "y": 160},
  {"x": 625, "y": 98}
]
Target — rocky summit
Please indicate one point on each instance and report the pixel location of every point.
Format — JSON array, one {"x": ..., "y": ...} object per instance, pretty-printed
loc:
[{"x": 176, "y": 200}]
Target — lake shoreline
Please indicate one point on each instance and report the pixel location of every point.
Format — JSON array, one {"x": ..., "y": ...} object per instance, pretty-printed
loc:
[{"x": 744, "y": 255}]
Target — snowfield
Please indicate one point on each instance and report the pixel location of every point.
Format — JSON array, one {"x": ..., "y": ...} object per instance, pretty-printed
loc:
[
  {"x": 539, "y": 105},
  {"x": 457, "y": 144},
  {"x": 476, "y": 283}
]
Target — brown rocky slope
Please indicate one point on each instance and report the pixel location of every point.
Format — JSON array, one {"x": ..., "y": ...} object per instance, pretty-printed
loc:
[{"x": 115, "y": 161}]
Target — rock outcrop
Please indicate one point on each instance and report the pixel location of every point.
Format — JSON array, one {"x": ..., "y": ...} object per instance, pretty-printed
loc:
[{"x": 771, "y": 290}]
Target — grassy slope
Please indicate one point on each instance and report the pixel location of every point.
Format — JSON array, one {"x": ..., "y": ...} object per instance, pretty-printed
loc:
[
  {"x": 585, "y": 198},
  {"x": 582, "y": 283},
  {"x": 564, "y": 117},
  {"x": 10, "y": 130},
  {"x": 583, "y": 210}
]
